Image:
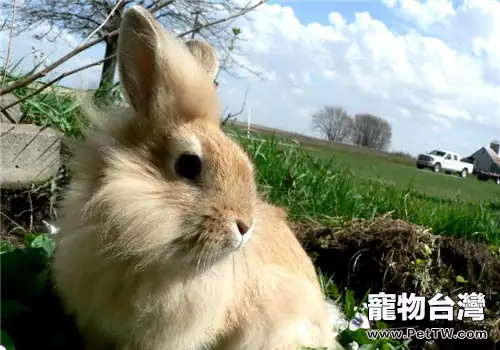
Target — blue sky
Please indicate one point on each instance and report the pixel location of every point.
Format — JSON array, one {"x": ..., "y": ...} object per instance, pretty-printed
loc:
[
  {"x": 317, "y": 10},
  {"x": 432, "y": 69}
]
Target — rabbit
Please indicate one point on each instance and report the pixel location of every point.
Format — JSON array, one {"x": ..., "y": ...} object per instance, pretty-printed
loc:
[
  {"x": 165, "y": 242},
  {"x": 205, "y": 54}
]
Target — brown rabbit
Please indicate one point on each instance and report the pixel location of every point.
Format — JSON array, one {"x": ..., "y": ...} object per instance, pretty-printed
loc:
[
  {"x": 164, "y": 241},
  {"x": 205, "y": 54}
]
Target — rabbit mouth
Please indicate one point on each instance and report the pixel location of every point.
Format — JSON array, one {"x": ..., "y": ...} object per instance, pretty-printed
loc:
[
  {"x": 208, "y": 247},
  {"x": 241, "y": 236}
]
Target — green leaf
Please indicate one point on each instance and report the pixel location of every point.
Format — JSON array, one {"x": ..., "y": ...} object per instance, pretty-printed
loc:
[
  {"x": 236, "y": 31},
  {"x": 44, "y": 242},
  {"x": 359, "y": 336},
  {"x": 427, "y": 250},
  {"x": 349, "y": 304},
  {"x": 12, "y": 308},
  {"x": 386, "y": 346},
  {"x": 24, "y": 272},
  {"x": 362, "y": 301},
  {"x": 368, "y": 347},
  {"x": 381, "y": 325},
  {"x": 461, "y": 279},
  {"x": 6, "y": 246},
  {"x": 334, "y": 290},
  {"x": 6, "y": 341},
  {"x": 29, "y": 238}
]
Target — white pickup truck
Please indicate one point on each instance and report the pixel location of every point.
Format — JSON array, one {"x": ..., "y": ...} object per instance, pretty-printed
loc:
[{"x": 449, "y": 162}]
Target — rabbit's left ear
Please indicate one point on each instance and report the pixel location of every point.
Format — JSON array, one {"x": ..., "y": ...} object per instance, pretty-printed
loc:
[
  {"x": 138, "y": 46},
  {"x": 205, "y": 54},
  {"x": 161, "y": 77}
]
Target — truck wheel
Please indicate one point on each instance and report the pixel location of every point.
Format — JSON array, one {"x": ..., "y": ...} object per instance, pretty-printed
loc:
[
  {"x": 437, "y": 167},
  {"x": 420, "y": 166},
  {"x": 497, "y": 180},
  {"x": 464, "y": 173}
]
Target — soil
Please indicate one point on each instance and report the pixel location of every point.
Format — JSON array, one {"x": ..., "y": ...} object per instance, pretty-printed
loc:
[
  {"x": 381, "y": 255},
  {"x": 22, "y": 212}
]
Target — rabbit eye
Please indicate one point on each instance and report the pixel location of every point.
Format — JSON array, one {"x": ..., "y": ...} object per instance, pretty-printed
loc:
[{"x": 188, "y": 166}]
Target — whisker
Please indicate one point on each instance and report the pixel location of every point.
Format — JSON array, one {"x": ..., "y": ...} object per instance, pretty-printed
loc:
[
  {"x": 200, "y": 256},
  {"x": 234, "y": 272},
  {"x": 245, "y": 258},
  {"x": 198, "y": 252}
]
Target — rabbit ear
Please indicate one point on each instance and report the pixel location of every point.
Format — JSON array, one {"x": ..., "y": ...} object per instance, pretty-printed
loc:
[
  {"x": 160, "y": 75},
  {"x": 137, "y": 51},
  {"x": 205, "y": 53}
]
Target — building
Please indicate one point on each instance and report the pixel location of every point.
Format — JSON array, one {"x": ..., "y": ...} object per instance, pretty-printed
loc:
[{"x": 487, "y": 158}]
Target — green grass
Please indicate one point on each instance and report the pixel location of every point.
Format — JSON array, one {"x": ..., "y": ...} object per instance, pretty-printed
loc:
[
  {"x": 49, "y": 108},
  {"x": 312, "y": 187},
  {"x": 401, "y": 173},
  {"x": 395, "y": 170}
]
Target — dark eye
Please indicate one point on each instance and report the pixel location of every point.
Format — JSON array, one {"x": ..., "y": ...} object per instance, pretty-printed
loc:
[{"x": 188, "y": 166}]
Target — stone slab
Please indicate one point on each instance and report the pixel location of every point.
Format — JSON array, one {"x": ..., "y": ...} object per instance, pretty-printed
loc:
[
  {"x": 29, "y": 154},
  {"x": 13, "y": 114}
]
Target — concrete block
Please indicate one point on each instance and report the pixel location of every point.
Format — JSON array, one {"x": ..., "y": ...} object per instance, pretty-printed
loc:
[
  {"x": 29, "y": 154},
  {"x": 13, "y": 114}
]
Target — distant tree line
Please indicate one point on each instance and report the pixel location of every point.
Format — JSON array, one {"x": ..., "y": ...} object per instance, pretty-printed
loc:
[{"x": 364, "y": 130}]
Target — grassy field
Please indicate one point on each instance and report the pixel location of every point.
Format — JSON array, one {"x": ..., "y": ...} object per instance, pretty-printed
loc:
[{"x": 391, "y": 169}]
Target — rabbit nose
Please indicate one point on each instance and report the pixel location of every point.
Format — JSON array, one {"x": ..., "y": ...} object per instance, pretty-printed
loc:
[{"x": 242, "y": 227}]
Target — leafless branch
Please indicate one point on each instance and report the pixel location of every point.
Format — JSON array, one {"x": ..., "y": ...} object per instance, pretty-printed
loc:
[
  {"x": 52, "y": 82},
  {"x": 49, "y": 68},
  {"x": 54, "y": 65},
  {"x": 334, "y": 123},
  {"x": 119, "y": 4},
  {"x": 9, "y": 46},
  {"x": 231, "y": 116},
  {"x": 13, "y": 222},
  {"x": 225, "y": 19},
  {"x": 79, "y": 49}
]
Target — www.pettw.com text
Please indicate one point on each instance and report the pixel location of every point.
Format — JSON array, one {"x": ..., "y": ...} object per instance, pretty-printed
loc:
[{"x": 426, "y": 334}]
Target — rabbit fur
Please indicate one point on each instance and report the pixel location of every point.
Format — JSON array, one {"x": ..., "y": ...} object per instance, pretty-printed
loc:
[
  {"x": 164, "y": 241},
  {"x": 205, "y": 54}
]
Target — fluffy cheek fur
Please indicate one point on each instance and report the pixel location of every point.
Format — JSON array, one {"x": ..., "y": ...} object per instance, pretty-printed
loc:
[{"x": 141, "y": 214}]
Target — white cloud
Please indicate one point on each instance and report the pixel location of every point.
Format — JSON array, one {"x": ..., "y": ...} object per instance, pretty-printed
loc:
[
  {"x": 425, "y": 14},
  {"x": 435, "y": 77}
]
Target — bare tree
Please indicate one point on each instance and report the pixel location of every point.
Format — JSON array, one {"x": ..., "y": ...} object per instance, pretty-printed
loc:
[
  {"x": 334, "y": 123},
  {"x": 101, "y": 18},
  {"x": 372, "y": 132}
]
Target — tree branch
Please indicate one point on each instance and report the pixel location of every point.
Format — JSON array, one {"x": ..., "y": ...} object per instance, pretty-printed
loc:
[
  {"x": 225, "y": 19},
  {"x": 118, "y": 5},
  {"x": 79, "y": 49},
  {"x": 52, "y": 82},
  {"x": 68, "y": 56},
  {"x": 9, "y": 47},
  {"x": 234, "y": 115}
]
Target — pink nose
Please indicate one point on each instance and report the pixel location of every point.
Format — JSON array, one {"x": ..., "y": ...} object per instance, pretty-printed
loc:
[{"x": 242, "y": 227}]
